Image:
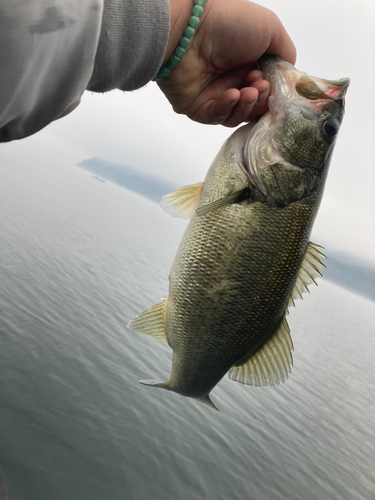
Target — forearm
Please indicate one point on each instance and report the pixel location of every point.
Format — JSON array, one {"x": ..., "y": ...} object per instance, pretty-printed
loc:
[
  {"x": 52, "y": 50},
  {"x": 130, "y": 53},
  {"x": 47, "y": 51},
  {"x": 132, "y": 44}
]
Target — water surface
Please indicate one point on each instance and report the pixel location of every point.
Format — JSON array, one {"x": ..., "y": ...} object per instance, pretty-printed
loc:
[{"x": 79, "y": 259}]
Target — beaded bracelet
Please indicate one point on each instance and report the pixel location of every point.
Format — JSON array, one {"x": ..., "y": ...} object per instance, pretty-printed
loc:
[{"x": 185, "y": 41}]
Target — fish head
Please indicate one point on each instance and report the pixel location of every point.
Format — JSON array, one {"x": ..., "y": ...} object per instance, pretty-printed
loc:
[{"x": 288, "y": 151}]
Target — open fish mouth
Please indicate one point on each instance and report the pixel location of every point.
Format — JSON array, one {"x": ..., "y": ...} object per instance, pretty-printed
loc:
[
  {"x": 288, "y": 83},
  {"x": 266, "y": 144}
]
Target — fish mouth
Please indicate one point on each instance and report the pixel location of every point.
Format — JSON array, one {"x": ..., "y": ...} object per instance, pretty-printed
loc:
[
  {"x": 282, "y": 77},
  {"x": 287, "y": 83},
  {"x": 291, "y": 91}
]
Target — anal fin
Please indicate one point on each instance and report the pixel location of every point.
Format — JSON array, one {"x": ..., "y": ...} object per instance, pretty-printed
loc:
[{"x": 152, "y": 322}]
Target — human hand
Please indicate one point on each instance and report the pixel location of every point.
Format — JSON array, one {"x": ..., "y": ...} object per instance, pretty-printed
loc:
[{"x": 217, "y": 80}]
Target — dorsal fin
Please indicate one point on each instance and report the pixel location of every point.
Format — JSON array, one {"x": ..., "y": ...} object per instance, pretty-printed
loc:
[
  {"x": 270, "y": 365},
  {"x": 152, "y": 322},
  {"x": 183, "y": 202},
  {"x": 310, "y": 269}
]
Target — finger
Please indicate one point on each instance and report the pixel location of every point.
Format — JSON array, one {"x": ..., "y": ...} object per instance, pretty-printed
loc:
[
  {"x": 263, "y": 88},
  {"x": 244, "y": 108},
  {"x": 218, "y": 110},
  {"x": 254, "y": 76},
  {"x": 255, "y": 79},
  {"x": 233, "y": 98},
  {"x": 252, "y": 104}
]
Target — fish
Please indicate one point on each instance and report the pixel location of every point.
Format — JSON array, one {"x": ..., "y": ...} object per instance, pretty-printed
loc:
[{"x": 246, "y": 254}]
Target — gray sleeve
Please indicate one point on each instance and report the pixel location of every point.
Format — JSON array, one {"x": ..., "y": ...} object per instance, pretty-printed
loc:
[
  {"x": 51, "y": 49},
  {"x": 132, "y": 44}
]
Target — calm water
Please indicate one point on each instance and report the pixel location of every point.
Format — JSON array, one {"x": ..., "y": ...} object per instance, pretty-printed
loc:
[{"x": 79, "y": 259}]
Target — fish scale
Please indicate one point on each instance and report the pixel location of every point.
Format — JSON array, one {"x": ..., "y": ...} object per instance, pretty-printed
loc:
[{"x": 238, "y": 318}]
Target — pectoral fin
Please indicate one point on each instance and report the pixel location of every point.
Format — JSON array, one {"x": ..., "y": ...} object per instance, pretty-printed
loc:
[
  {"x": 236, "y": 197},
  {"x": 152, "y": 322},
  {"x": 183, "y": 202},
  {"x": 270, "y": 365}
]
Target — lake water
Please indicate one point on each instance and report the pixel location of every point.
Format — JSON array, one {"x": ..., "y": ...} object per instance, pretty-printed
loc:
[{"x": 79, "y": 259}]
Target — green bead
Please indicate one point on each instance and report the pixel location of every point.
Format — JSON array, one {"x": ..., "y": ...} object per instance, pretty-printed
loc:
[
  {"x": 194, "y": 21},
  {"x": 158, "y": 76},
  {"x": 189, "y": 32},
  {"x": 164, "y": 72},
  {"x": 197, "y": 10},
  {"x": 174, "y": 60},
  {"x": 180, "y": 52},
  {"x": 184, "y": 42}
]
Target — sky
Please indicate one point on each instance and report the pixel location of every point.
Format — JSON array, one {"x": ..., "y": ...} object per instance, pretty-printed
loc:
[{"x": 334, "y": 39}]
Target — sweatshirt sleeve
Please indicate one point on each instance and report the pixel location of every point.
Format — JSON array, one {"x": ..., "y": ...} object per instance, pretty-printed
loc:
[
  {"x": 52, "y": 50},
  {"x": 132, "y": 44}
]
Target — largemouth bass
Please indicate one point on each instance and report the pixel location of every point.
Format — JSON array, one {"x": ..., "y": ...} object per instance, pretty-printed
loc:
[{"x": 245, "y": 255}]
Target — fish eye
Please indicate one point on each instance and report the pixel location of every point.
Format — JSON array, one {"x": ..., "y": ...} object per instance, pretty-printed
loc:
[{"x": 330, "y": 128}]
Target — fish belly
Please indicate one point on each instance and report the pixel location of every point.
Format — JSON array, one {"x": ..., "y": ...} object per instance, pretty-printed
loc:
[{"x": 229, "y": 288}]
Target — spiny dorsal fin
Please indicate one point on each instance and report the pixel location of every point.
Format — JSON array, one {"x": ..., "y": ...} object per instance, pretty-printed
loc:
[
  {"x": 310, "y": 269},
  {"x": 152, "y": 321},
  {"x": 236, "y": 197},
  {"x": 270, "y": 365},
  {"x": 183, "y": 202}
]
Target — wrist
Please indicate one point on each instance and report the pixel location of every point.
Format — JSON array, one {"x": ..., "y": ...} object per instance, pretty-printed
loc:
[{"x": 179, "y": 13}]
